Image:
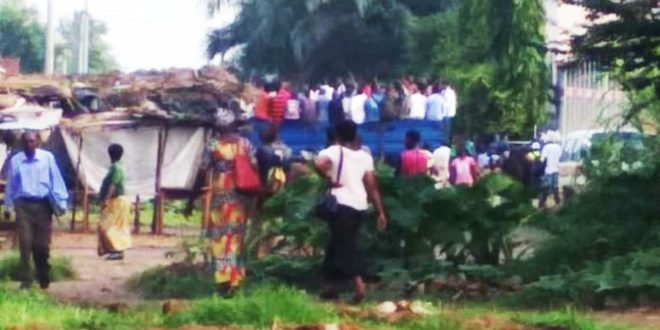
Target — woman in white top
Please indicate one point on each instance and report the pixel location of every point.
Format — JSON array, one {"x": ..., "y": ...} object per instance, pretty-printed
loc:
[{"x": 353, "y": 189}]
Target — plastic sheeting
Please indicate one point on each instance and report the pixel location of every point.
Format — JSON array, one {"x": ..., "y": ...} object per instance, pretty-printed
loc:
[{"x": 183, "y": 155}]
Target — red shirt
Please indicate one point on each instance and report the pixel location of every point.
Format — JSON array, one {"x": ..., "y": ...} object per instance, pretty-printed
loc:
[
  {"x": 278, "y": 106},
  {"x": 261, "y": 107},
  {"x": 414, "y": 162}
]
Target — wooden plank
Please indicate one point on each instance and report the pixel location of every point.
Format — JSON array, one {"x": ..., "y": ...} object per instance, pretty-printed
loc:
[{"x": 74, "y": 207}]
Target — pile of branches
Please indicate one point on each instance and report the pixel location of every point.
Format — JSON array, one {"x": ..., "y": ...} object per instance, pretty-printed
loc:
[{"x": 177, "y": 94}]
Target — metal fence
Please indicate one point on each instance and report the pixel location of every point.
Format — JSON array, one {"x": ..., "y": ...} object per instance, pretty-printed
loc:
[{"x": 590, "y": 99}]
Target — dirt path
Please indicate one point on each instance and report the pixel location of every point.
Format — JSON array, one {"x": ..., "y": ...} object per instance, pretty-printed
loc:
[{"x": 101, "y": 282}]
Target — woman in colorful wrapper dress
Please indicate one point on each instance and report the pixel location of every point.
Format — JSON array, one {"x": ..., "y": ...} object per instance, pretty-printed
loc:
[
  {"x": 229, "y": 208},
  {"x": 115, "y": 225}
]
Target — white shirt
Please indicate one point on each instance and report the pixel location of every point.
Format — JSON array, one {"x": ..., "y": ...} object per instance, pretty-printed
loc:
[
  {"x": 441, "y": 157},
  {"x": 451, "y": 100},
  {"x": 292, "y": 110},
  {"x": 417, "y": 106},
  {"x": 551, "y": 155},
  {"x": 329, "y": 91},
  {"x": 356, "y": 108},
  {"x": 356, "y": 164}
]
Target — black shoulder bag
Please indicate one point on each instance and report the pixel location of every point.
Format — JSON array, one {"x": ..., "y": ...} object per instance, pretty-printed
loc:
[{"x": 326, "y": 208}]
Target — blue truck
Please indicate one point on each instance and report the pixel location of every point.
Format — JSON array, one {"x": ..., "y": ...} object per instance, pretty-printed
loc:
[{"x": 384, "y": 139}]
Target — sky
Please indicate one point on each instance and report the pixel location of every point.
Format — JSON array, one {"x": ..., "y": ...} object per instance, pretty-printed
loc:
[{"x": 148, "y": 34}]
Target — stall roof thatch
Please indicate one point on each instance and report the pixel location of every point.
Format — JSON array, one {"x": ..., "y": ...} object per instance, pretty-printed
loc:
[{"x": 177, "y": 96}]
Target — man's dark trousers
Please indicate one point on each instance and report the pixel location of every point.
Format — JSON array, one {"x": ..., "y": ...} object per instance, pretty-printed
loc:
[{"x": 35, "y": 225}]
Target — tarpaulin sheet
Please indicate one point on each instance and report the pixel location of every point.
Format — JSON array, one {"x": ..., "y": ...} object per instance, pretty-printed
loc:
[{"x": 183, "y": 155}]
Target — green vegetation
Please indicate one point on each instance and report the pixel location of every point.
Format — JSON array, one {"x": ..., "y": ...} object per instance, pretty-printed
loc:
[
  {"x": 33, "y": 310},
  {"x": 182, "y": 281},
  {"x": 261, "y": 306},
  {"x": 628, "y": 46},
  {"x": 473, "y": 224},
  {"x": 492, "y": 52},
  {"x": 61, "y": 268},
  {"x": 21, "y": 35},
  {"x": 100, "y": 58}
]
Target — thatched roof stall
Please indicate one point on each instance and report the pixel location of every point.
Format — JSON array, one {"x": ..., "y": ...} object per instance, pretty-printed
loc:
[{"x": 162, "y": 119}]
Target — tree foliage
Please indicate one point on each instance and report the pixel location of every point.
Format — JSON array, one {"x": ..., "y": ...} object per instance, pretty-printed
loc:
[
  {"x": 494, "y": 53},
  {"x": 21, "y": 35},
  {"x": 314, "y": 39},
  {"x": 472, "y": 225},
  {"x": 624, "y": 38},
  {"x": 100, "y": 58}
]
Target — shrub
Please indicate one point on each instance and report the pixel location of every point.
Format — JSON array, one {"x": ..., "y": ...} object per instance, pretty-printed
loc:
[
  {"x": 606, "y": 240},
  {"x": 473, "y": 225},
  {"x": 61, "y": 268}
]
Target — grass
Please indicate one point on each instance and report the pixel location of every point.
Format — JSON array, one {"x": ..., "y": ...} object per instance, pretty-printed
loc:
[
  {"x": 33, "y": 310},
  {"x": 61, "y": 268},
  {"x": 181, "y": 281},
  {"x": 259, "y": 306}
]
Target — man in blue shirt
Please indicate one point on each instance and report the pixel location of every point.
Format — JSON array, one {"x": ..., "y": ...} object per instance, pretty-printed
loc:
[{"x": 35, "y": 191}]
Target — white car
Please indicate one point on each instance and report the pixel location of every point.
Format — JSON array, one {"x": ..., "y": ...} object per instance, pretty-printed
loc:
[{"x": 577, "y": 146}]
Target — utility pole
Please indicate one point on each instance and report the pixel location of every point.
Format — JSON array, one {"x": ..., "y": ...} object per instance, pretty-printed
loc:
[
  {"x": 83, "y": 41},
  {"x": 50, "y": 41}
]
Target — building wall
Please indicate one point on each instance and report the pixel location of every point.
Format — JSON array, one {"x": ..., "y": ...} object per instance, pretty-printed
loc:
[{"x": 11, "y": 65}]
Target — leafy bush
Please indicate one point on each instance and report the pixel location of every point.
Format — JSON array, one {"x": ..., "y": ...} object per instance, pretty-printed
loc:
[
  {"x": 61, "y": 268},
  {"x": 259, "y": 307},
  {"x": 472, "y": 225},
  {"x": 606, "y": 239},
  {"x": 175, "y": 281},
  {"x": 287, "y": 216},
  {"x": 297, "y": 271}
]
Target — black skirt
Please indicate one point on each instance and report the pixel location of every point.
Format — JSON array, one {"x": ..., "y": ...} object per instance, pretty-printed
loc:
[{"x": 343, "y": 258}]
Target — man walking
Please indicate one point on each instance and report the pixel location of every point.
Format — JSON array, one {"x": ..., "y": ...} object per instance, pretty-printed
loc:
[
  {"x": 551, "y": 156},
  {"x": 36, "y": 191}
]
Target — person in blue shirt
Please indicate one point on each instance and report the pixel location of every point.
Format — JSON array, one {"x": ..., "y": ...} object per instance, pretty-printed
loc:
[{"x": 35, "y": 191}]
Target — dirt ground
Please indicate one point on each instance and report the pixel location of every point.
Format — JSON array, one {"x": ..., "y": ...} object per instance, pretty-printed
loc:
[{"x": 101, "y": 282}]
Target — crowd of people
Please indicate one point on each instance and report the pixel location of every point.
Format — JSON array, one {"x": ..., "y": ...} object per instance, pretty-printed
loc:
[{"x": 360, "y": 102}]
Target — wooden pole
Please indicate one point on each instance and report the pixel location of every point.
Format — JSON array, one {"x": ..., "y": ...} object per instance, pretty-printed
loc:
[
  {"x": 85, "y": 208},
  {"x": 157, "y": 184},
  {"x": 206, "y": 204},
  {"x": 74, "y": 207},
  {"x": 206, "y": 190},
  {"x": 157, "y": 223},
  {"x": 136, "y": 220}
]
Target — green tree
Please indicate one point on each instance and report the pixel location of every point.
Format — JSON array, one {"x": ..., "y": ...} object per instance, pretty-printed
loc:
[
  {"x": 493, "y": 51},
  {"x": 100, "y": 57},
  {"x": 314, "y": 39},
  {"x": 624, "y": 38},
  {"x": 21, "y": 35}
]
